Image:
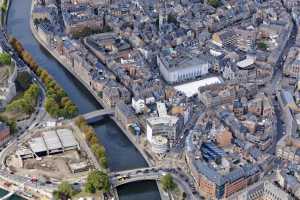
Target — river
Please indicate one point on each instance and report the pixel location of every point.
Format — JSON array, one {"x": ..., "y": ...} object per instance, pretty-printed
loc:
[{"x": 120, "y": 151}]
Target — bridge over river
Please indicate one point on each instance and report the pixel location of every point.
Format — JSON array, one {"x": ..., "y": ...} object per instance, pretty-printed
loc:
[
  {"x": 153, "y": 173},
  {"x": 97, "y": 115}
]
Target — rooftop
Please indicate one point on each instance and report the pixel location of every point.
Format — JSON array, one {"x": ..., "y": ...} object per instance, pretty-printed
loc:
[
  {"x": 51, "y": 139},
  {"x": 190, "y": 89},
  {"x": 66, "y": 137}
]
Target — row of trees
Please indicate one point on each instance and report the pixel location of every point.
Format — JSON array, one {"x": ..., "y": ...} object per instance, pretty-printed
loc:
[
  {"x": 91, "y": 138},
  {"x": 57, "y": 103},
  {"x": 27, "y": 103}
]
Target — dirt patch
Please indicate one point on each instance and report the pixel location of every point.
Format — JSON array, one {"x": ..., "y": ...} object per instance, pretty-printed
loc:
[{"x": 52, "y": 166}]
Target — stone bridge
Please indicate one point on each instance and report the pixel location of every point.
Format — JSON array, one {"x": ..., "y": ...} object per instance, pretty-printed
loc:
[
  {"x": 97, "y": 115},
  {"x": 128, "y": 176},
  {"x": 153, "y": 173}
]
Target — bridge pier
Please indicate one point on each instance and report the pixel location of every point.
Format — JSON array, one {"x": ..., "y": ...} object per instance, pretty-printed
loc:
[{"x": 115, "y": 193}]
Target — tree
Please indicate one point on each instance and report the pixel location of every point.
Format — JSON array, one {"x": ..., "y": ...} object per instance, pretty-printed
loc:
[
  {"x": 262, "y": 46},
  {"x": 93, "y": 140},
  {"x": 5, "y": 59},
  {"x": 4, "y": 6},
  {"x": 16, "y": 44},
  {"x": 64, "y": 191},
  {"x": 172, "y": 19},
  {"x": 65, "y": 101},
  {"x": 10, "y": 122},
  {"x": 27, "y": 102},
  {"x": 98, "y": 150},
  {"x": 24, "y": 80},
  {"x": 214, "y": 3},
  {"x": 39, "y": 71},
  {"x": 51, "y": 107},
  {"x": 103, "y": 162},
  {"x": 80, "y": 121},
  {"x": 168, "y": 183},
  {"x": 184, "y": 195},
  {"x": 71, "y": 111},
  {"x": 97, "y": 181},
  {"x": 54, "y": 104},
  {"x": 88, "y": 132}
]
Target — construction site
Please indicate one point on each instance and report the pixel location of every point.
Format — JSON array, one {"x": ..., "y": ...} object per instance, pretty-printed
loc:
[{"x": 51, "y": 154}]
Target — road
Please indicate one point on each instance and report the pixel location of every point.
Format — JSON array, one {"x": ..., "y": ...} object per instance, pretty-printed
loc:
[
  {"x": 275, "y": 84},
  {"x": 24, "y": 132}
]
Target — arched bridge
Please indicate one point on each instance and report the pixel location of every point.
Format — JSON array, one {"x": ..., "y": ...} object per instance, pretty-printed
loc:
[
  {"x": 153, "y": 173},
  {"x": 97, "y": 115},
  {"x": 128, "y": 176}
]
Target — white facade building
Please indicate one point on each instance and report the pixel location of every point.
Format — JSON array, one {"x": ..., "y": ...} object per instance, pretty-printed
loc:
[
  {"x": 177, "y": 69},
  {"x": 261, "y": 190},
  {"x": 138, "y": 105},
  {"x": 161, "y": 109},
  {"x": 159, "y": 144},
  {"x": 165, "y": 126}
]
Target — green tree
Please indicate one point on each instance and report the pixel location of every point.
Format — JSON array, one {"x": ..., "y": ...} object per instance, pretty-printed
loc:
[
  {"x": 4, "y": 6},
  {"x": 64, "y": 191},
  {"x": 27, "y": 102},
  {"x": 65, "y": 101},
  {"x": 262, "y": 46},
  {"x": 54, "y": 104},
  {"x": 39, "y": 72},
  {"x": 97, "y": 181},
  {"x": 24, "y": 80},
  {"x": 10, "y": 122},
  {"x": 168, "y": 183},
  {"x": 214, "y": 3},
  {"x": 71, "y": 111},
  {"x": 98, "y": 150},
  {"x": 51, "y": 107},
  {"x": 5, "y": 59},
  {"x": 172, "y": 19},
  {"x": 184, "y": 195},
  {"x": 103, "y": 162}
]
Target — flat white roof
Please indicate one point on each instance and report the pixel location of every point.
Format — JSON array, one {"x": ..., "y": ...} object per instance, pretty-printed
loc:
[
  {"x": 168, "y": 119},
  {"x": 23, "y": 151},
  {"x": 66, "y": 137},
  {"x": 247, "y": 62},
  {"x": 190, "y": 89},
  {"x": 161, "y": 109},
  {"x": 51, "y": 140},
  {"x": 37, "y": 145}
]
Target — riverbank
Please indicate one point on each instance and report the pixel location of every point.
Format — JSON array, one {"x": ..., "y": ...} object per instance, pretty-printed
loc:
[
  {"x": 125, "y": 131},
  {"x": 68, "y": 67}
]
